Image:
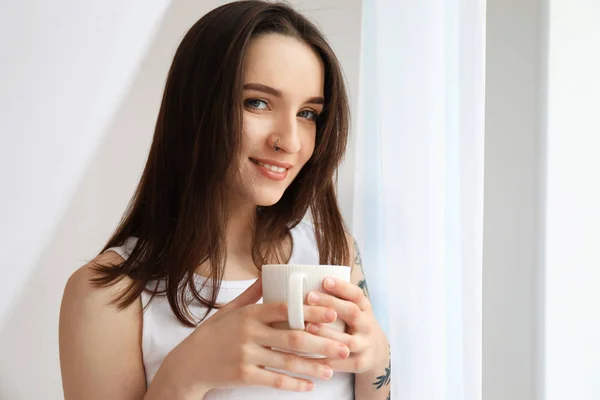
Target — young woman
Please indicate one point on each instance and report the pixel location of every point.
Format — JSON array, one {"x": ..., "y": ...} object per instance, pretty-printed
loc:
[{"x": 252, "y": 127}]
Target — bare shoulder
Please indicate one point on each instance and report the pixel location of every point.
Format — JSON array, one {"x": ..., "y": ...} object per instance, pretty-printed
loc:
[
  {"x": 95, "y": 332},
  {"x": 80, "y": 288}
]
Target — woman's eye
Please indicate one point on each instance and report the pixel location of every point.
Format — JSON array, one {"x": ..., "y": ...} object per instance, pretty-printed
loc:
[
  {"x": 308, "y": 114},
  {"x": 256, "y": 103}
]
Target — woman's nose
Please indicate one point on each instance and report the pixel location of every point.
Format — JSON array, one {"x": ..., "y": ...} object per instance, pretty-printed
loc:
[{"x": 286, "y": 134}]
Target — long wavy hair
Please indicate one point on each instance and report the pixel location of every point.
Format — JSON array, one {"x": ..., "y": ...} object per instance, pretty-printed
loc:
[{"x": 179, "y": 211}]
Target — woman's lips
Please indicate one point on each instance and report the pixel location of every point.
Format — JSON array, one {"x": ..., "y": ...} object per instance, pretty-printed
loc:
[{"x": 274, "y": 170}]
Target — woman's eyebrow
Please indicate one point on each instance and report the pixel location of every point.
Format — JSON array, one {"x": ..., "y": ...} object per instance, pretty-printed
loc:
[{"x": 277, "y": 93}]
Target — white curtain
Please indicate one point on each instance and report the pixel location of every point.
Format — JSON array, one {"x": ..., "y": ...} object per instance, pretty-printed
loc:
[{"x": 418, "y": 206}]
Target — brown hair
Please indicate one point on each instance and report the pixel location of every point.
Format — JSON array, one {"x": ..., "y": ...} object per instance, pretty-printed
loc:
[{"x": 179, "y": 210}]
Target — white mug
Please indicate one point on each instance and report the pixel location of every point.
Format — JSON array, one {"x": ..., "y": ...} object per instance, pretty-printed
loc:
[{"x": 291, "y": 283}]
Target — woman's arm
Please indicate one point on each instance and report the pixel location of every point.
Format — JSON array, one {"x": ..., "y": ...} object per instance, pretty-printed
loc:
[
  {"x": 374, "y": 384},
  {"x": 100, "y": 346},
  {"x": 101, "y": 356}
]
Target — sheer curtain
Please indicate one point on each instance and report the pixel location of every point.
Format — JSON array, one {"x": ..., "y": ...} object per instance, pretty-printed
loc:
[{"x": 418, "y": 206}]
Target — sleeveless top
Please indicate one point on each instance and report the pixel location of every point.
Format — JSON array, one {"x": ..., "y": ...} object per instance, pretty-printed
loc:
[{"x": 162, "y": 331}]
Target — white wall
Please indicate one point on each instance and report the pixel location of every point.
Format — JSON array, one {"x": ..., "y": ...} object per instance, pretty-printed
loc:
[
  {"x": 572, "y": 311},
  {"x": 69, "y": 98},
  {"x": 542, "y": 216},
  {"x": 81, "y": 86}
]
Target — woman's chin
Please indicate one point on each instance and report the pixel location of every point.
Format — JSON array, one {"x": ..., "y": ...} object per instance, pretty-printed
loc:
[{"x": 266, "y": 199}]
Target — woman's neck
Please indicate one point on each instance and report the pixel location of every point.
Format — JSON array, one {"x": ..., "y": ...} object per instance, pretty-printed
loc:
[
  {"x": 239, "y": 264},
  {"x": 240, "y": 226}
]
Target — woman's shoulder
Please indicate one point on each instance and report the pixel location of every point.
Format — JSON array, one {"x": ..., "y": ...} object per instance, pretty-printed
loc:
[
  {"x": 85, "y": 304},
  {"x": 93, "y": 329},
  {"x": 81, "y": 292}
]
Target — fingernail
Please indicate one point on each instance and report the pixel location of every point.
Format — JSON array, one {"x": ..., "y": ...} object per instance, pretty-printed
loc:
[
  {"x": 329, "y": 283},
  {"x": 327, "y": 372},
  {"x": 310, "y": 386},
  {"x": 344, "y": 352},
  {"x": 313, "y": 298},
  {"x": 331, "y": 315}
]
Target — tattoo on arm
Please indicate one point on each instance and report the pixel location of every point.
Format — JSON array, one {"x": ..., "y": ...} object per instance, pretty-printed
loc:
[
  {"x": 358, "y": 263},
  {"x": 385, "y": 379}
]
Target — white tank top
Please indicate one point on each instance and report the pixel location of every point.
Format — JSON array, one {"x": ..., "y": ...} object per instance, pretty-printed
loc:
[{"x": 162, "y": 331}]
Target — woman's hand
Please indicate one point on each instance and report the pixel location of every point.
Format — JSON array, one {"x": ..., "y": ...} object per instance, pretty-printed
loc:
[
  {"x": 365, "y": 338},
  {"x": 233, "y": 347}
]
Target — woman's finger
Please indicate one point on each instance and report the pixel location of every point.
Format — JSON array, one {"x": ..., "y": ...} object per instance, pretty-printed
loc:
[
  {"x": 356, "y": 363},
  {"x": 347, "y": 291},
  {"x": 349, "y": 312},
  {"x": 256, "y": 376},
  {"x": 355, "y": 343},
  {"x": 294, "y": 363},
  {"x": 301, "y": 341},
  {"x": 278, "y": 312}
]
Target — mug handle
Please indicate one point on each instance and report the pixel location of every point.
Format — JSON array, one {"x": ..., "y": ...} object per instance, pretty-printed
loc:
[{"x": 296, "y": 284}]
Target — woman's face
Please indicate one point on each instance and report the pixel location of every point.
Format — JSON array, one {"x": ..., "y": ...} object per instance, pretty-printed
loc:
[{"x": 283, "y": 95}]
